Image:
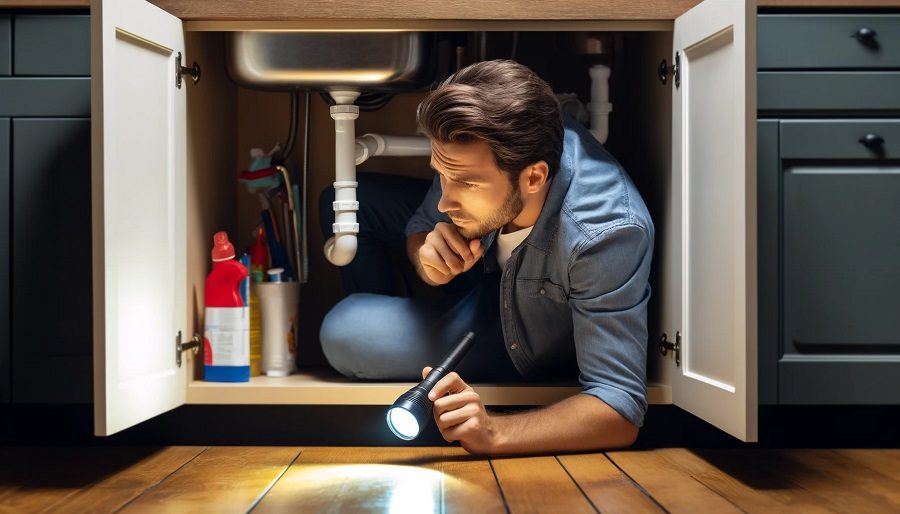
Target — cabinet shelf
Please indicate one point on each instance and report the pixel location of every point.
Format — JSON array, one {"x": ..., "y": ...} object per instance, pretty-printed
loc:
[{"x": 326, "y": 387}]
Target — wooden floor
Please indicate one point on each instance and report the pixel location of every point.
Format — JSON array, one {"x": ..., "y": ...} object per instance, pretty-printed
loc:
[{"x": 444, "y": 480}]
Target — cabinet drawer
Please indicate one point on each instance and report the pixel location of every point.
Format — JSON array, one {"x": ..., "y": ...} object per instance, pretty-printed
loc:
[
  {"x": 55, "y": 45},
  {"x": 828, "y": 41},
  {"x": 829, "y": 92},
  {"x": 844, "y": 139}
]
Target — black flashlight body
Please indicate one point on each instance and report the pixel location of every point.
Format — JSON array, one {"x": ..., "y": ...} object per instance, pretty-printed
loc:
[
  {"x": 449, "y": 363},
  {"x": 415, "y": 401}
]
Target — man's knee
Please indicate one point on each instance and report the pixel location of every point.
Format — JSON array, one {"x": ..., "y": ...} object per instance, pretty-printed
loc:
[{"x": 338, "y": 337}]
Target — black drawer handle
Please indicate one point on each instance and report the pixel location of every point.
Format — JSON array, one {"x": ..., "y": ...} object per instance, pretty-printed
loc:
[
  {"x": 866, "y": 37},
  {"x": 873, "y": 142}
]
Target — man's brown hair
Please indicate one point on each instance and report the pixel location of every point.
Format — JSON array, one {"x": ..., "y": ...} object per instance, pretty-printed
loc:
[{"x": 502, "y": 103}]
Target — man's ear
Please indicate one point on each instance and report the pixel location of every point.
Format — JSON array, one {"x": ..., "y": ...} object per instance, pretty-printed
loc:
[{"x": 534, "y": 177}]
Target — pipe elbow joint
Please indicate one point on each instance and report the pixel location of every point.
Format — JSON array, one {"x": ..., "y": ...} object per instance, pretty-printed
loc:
[{"x": 340, "y": 249}]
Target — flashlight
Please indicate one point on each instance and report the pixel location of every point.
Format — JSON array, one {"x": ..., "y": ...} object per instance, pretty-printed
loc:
[{"x": 411, "y": 412}]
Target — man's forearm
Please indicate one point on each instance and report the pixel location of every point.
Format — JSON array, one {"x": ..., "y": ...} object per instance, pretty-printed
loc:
[{"x": 578, "y": 423}]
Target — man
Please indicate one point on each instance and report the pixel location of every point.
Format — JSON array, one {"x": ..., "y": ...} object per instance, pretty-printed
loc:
[{"x": 549, "y": 245}]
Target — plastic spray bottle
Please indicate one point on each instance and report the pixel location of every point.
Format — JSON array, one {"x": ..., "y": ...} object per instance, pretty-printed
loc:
[{"x": 226, "y": 341}]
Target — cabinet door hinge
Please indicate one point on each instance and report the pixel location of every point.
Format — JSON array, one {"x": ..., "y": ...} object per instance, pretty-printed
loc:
[
  {"x": 193, "y": 71},
  {"x": 664, "y": 69},
  {"x": 193, "y": 345},
  {"x": 665, "y": 346}
]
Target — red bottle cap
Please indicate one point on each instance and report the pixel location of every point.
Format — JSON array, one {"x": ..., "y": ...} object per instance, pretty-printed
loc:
[{"x": 222, "y": 248}]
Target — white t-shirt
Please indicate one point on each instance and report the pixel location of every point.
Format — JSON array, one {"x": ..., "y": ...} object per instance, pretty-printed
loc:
[{"x": 506, "y": 243}]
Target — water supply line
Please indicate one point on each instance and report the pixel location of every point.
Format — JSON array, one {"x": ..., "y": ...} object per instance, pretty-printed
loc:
[
  {"x": 371, "y": 145},
  {"x": 341, "y": 248}
]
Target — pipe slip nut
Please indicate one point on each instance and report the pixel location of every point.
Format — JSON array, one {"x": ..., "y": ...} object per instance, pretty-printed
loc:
[
  {"x": 345, "y": 205},
  {"x": 345, "y": 228}
]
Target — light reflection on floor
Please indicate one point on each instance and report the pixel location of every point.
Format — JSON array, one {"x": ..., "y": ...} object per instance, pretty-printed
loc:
[{"x": 383, "y": 488}]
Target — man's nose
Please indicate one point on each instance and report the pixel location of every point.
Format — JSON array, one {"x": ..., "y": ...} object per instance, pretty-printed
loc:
[{"x": 447, "y": 203}]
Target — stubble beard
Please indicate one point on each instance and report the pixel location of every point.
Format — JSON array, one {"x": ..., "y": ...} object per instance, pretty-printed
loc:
[{"x": 512, "y": 207}]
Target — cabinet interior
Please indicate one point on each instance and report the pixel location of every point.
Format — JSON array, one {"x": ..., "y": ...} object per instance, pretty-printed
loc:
[{"x": 225, "y": 121}]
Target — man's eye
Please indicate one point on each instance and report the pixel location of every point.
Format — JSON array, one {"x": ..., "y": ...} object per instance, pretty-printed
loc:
[{"x": 469, "y": 185}]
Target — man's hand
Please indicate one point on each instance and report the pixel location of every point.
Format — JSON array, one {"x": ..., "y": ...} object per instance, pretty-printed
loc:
[
  {"x": 460, "y": 415},
  {"x": 446, "y": 254}
]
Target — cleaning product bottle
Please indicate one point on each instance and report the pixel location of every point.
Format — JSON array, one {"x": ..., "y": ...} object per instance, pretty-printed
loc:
[
  {"x": 226, "y": 340},
  {"x": 259, "y": 261},
  {"x": 255, "y": 333}
]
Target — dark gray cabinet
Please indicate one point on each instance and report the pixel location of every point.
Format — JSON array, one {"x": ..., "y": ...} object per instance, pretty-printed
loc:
[
  {"x": 5, "y": 330},
  {"x": 45, "y": 220},
  {"x": 5, "y": 45},
  {"x": 829, "y": 210}
]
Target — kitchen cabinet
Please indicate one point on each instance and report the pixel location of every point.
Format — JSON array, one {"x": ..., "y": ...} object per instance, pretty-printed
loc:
[
  {"x": 154, "y": 145},
  {"x": 45, "y": 230},
  {"x": 829, "y": 179}
]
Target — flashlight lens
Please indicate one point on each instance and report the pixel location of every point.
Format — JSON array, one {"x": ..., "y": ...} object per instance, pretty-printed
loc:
[{"x": 403, "y": 423}]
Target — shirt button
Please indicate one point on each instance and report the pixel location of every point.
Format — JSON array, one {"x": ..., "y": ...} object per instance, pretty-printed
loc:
[
  {"x": 543, "y": 291},
  {"x": 514, "y": 346}
]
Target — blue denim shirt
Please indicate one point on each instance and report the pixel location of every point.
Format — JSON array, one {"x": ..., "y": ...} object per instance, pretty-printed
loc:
[{"x": 578, "y": 285}]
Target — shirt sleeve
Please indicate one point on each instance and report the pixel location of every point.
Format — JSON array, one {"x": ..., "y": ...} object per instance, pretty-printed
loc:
[
  {"x": 608, "y": 296},
  {"x": 427, "y": 215}
]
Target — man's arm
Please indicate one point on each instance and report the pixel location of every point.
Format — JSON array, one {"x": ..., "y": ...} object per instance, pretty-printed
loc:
[
  {"x": 578, "y": 423},
  {"x": 608, "y": 295}
]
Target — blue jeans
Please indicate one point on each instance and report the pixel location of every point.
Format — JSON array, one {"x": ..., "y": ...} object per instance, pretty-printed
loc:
[{"x": 374, "y": 333}]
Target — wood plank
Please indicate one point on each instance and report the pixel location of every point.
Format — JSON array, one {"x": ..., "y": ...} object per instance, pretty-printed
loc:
[
  {"x": 469, "y": 484},
  {"x": 884, "y": 461},
  {"x": 752, "y": 488},
  {"x": 221, "y": 479},
  {"x": 113, "y": 492},
  {"x": 538, "y": 484},
  {"x": 608, "y": 488},
  {"x": 661, "y": 474},
  {"x": 35, "y": 478},
  {"x": 386, "y": 479},
  {"x": 425, "y": 9},
  {"x": 819, "y": 478},
  {"x": 192, "y": 9},
  {"x": 845, "y": 483}
]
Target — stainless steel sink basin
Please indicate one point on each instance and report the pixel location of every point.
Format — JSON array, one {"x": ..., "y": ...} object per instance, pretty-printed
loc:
[{"x": 370, "y": 61}]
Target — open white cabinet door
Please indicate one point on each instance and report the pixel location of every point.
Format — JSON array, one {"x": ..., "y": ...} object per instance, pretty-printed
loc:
[
  {"x": 714, "y": 196},
  {"x": 139, "y": 227}
]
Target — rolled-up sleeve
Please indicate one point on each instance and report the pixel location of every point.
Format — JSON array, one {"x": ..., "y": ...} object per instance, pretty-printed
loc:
[
  {"x": 427, "y": 215},
  {"x": 609, "y": 291}
]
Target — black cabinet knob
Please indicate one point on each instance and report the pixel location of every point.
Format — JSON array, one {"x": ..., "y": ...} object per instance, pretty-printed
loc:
[
  {"x": 874, "y": 143},
  {"x": 866, "y": 37},
  {"x": 871, "y": 140}
]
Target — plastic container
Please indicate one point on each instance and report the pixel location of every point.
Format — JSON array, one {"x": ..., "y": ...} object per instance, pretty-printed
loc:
[
  {"x": 226, "y": 339},
  {"x": 279, "y": 309}
]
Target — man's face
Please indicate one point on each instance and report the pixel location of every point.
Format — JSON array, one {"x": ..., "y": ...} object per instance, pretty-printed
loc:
[{"x": 477, "y": 195}]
